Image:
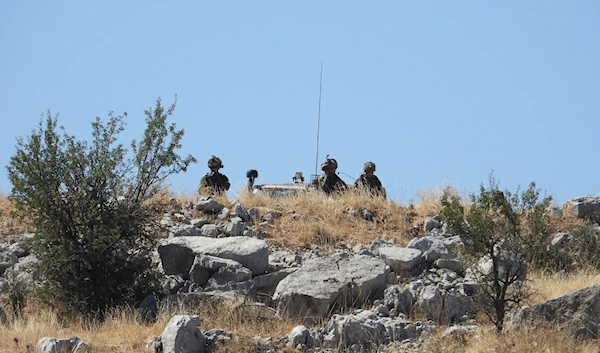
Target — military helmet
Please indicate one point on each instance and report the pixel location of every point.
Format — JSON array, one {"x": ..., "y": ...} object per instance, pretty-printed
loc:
[
  {"x": 369, "y": 166},
  {"x": 329, "y": 162},
  {"x": 252, "y": 174},
  {"x": 215, "y": 162}
]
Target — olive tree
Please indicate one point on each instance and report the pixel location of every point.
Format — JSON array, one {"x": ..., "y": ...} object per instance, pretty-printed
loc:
[
  {"x": 497, "y": 228},
  {"x": 95, "y": 206}
]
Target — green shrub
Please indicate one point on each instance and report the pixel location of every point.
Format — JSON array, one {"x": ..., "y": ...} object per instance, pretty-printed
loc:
[
  {"x": 496, "y": 226},
  {"x": 581, "y": 251},
  {"x": 95, "y": 207}
]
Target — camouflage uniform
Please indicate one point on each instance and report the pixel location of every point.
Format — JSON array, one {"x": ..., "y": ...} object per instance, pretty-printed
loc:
[
  {"x": 331, "y": 183},
  {"x": 213, "y": 183},
  {"x": 372, "y": 185}
]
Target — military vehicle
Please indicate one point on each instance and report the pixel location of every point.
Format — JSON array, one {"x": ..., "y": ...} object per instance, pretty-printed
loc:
[{"x": 296, "y": 187}]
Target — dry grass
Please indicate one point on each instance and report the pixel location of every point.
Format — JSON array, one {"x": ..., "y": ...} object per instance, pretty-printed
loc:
[
  {"x": 11, "y": 225},
  {"x": 487, "y": 340},
  {"x": 314, "y": 218},
  {"x": 122, "y": 331},
  {"x": 551, "y": 286}
]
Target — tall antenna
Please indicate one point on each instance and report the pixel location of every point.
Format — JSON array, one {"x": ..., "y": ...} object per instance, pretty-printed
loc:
[{"x": 319, "y": 117}]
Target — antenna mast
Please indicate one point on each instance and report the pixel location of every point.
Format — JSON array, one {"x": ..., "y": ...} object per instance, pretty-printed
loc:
[{"x": 319, "y": 117}]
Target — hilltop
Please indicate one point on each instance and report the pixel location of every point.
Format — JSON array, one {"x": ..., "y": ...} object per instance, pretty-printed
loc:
[{"x": 299, "y": 232}]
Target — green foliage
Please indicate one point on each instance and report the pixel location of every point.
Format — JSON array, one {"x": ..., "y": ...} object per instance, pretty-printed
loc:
[
  {"x": 496, "y": 227},
  {"x": 95, "y": 207},
  {"x": 581, "y": 250},
  {"x": 14, "y": 293}
]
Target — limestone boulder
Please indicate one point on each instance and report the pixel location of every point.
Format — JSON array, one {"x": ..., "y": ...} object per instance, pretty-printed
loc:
[{"x": 321, "y": 283}]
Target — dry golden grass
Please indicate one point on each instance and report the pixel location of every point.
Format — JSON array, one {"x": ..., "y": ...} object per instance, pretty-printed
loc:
[
  {"x": 487, "y": 340},
  {"x": 314, "y": 218},
  {"x": 122, "y": 331},
  {"x": 551, "y": 286},
  {"x": 9, "y": 224},
  {"x": 564, "y": 223}
]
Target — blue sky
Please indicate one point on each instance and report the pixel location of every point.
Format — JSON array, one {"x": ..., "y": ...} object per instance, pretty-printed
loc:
[{"x": 433, "y": 92}]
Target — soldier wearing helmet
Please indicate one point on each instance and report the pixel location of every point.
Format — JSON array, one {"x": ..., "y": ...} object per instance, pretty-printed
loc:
[
  {"x": 214, "y": 183},
  {"x": 251, "y": 174},
  {"x": 330, "y": 182},
  {"x": 369, "y": 182}
]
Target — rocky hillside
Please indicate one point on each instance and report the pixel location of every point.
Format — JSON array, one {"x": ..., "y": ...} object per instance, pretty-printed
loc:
[{"x": 352, "y": 274}]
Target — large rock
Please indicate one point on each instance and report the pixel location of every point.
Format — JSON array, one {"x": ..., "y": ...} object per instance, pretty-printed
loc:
[
  {"x": 510, "y": 264},
  {"x": 199, "y": 222},
  {"x": 210, "y": 230},
  {"x": 216, "y": 338},
  {"x": 235, "y": 227},
  {"x": 299, "y": 335},
  {"x": 358, "y": 333},
  {"x": 433, "y": 248},
  {"x": 182, "y": 335},
  {"x": 321, "y": 283},
  {"x": 198, "y": 273},
  {"x": 365, "y": 331},
  {"x": 149, "y": 309},
  {"x": 459, "y": 332},
  {"x": 400, "y": 259},
  {"x": 263, "y": 211},
  {"x": 184, "y": 230},
  {"x": 431, "y": 302},
  {"x": 457, "y": 306},
  {"x": 457, "y": 265},
  {"x": 582, "y": 207},
  {"x": 431, "y": 223},
  {"x": 7, "y": 258},
  {"x": 578, "y": 312},
  {"x": 23, "y": 270},
  {"x": 399, "y": 299},
  {"x": 58, "y": 345},
  {"x": 268, "y": 282},
  {"x": 19, "y": 249},
  {"x": 241, "y": 212},
  {"x": 177, "y": 254},
  {"x": 223, "y": 270},
  {"x": 208, "y": 205}
]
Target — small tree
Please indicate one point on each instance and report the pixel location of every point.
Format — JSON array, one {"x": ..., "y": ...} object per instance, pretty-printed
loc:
[
  {"x": 495, "y": 227},
  {"x": 94, "y": 207}
]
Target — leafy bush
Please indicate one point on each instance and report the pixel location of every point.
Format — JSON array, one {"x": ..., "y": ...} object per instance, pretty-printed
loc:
[
  {"x": 496, "y": 229},
  {"x": 14, "y": 293},
  {"x": 95, "y": 207},
  {"x": 581, "y": 250}
]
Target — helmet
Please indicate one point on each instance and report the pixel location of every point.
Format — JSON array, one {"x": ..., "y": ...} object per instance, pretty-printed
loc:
[
  {"x": 252, "y": 174},
  {"x": 369, "y": 166},
  {"x": 215, "y": 162},
  {"x": 329, "y": 162}
]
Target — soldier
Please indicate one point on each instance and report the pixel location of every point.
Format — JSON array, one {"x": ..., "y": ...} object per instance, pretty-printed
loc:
[
  {"x": 330, "y": 182},
  {"x": 298, "y": 178},
  {"x": 251, "y": 174},
  {"x": 214, "y": 183},
  {"x": 369, "y": 181}
]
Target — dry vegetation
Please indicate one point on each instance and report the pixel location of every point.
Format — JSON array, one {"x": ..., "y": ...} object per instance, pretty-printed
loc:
[
  {"x": 122, "y": 331},
  {"x": 487, "y": 340},
  {"x": 314, "y": 218},
  {"x": 10, "y": 225},
  {"x": 306, "y": 220}
]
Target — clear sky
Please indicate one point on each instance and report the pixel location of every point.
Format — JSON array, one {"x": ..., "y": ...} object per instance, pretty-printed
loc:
[{"x": 433, "y": 92}]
